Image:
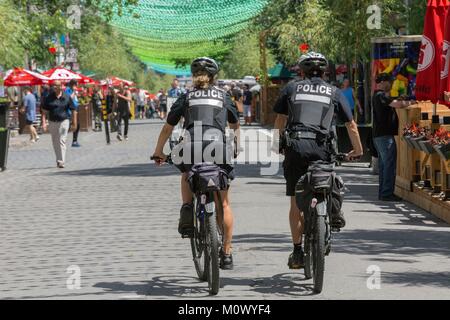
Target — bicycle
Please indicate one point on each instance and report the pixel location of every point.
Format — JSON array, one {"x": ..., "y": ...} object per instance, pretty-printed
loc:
[
  {"x": 205, "y": 239},
  {"x": 319, "y": 182}
]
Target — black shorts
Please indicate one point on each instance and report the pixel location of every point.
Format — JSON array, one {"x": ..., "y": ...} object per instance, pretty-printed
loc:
[
  {"x": 140, "y": 108},
  {"x": 163, "y": 108},
  {"x": 298, "y": 158},
  {"x": 28, "y": 122}
]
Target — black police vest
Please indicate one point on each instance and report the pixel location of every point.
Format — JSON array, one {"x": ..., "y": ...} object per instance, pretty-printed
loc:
[
  {"x": 208, "y": 107},
  {"x": 311, "y": 106}
]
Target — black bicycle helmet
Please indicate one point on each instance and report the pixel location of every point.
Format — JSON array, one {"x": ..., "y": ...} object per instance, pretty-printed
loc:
[
  {"x": 205, "y": 64},
  {"x": 313, "y": 62}
]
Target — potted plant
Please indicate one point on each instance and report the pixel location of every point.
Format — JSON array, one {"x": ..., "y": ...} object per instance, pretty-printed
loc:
[
  {"x": 441, "y": 144},
  {"x": 426, "y": 145},
  {"x": 417, "y": 134},
  {"x": 4, "y": 135},
  {"x": 407, "y": 134}
]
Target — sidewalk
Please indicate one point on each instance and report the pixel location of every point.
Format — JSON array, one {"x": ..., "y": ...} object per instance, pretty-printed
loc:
[
  {"x": 114, "y": 214},
  {"x": 17, "y": 141}
]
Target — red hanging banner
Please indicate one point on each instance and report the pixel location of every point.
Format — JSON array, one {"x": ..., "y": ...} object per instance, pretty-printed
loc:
[
  {"x": 428, "y": 85},
  {"x": 445, "y": 64}
]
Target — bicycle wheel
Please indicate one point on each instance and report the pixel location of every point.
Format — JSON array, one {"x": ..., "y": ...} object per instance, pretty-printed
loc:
[
  {"x": 308, "y": 247},
  {"x": 212, "y": 254},
  {"x": 308, "y": 259},
  {"x": 198, "y": 246},
  {"x": 318, "y": 247}
]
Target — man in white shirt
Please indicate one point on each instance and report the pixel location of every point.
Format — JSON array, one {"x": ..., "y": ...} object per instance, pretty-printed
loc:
[{"x": 141, "y": 101}]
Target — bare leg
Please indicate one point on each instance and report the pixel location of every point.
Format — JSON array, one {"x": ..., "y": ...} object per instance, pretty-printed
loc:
[
  {"x": 228, "y": 222},
  {"x": 297, "y": 222},
  {"x": 43, "y": 122},
  {"x": 33, "y": 133},
  {"x": 186, "y": 193}
]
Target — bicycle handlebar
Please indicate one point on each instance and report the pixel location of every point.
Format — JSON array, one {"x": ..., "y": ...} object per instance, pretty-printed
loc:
[
  {"x": 341, "y": 157},
  {"x": 158, "y": 159}
]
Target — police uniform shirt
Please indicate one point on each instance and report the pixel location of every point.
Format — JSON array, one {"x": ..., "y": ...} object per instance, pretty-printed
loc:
[
  {"x": 317, "y": 88},
  {"x": 180, "y": 109}
]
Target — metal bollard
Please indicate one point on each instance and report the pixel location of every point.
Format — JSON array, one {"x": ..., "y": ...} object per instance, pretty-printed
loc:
[{"x": 106, "y": 122}]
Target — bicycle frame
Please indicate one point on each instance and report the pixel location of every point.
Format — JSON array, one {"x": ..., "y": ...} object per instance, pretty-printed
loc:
[
  {"x": 313, "y": 213},
  {"x": 206, "y": 206}
]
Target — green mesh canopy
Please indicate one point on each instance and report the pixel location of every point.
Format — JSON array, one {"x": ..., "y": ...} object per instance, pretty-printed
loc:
[{"x": 161, "y": 32}]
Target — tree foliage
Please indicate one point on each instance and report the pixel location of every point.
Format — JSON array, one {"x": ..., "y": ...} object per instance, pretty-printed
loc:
[
  {"x": 339, "y": 29},
  {"x": 244, "y": 59},
  {"x": 13, "y": 35},
  {"x": 33, "y": 26}
]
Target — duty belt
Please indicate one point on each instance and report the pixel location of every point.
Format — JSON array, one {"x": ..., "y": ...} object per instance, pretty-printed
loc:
[{"x": 303, "y": 135}]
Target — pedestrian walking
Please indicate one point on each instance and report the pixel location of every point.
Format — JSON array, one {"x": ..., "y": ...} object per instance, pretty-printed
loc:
[
  {"x": 96, "y": 101},
  {"x": 151, "y": 112},
  {"x": 124, "y": 99},
  {"x": 44, "y": 113},
  {"x": 71, "y": 91},
  {"x": 237, "y": 97},
  {"x": 162, "y": 102},
  {"x": 141, "y": 101},
  {"x": 175, "y": 91},
  {"x": 29, "y": 108},
  {"x": 111, "y": 108},
  {"x": 248, "y": 100},
  {"x": 60, "y": 107},
  {"x": 350, "y": 95}
]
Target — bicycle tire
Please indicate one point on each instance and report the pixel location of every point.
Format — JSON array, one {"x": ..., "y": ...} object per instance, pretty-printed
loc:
[
  {"x": 197, "y": 246},
  {"x": 212, "y": 254},
  {"x": 308, "y": 260},
  {"x": 308, "y": 249},
  {"x": 318, "y": 247}
]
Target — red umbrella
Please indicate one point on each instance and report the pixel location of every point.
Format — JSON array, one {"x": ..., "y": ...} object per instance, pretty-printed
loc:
[
  {"x": 151, "y": 96},
  {"x": 429, "y": 69},
  {"x": 65, "y": 75},
  {"x": 117, "y": 81},
  {"x": 21, "y": 77},
  {"x": 445, "y": 79}
]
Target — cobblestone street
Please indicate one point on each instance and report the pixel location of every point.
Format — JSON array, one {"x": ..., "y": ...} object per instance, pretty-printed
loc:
[{"x": 114, "y": 214}]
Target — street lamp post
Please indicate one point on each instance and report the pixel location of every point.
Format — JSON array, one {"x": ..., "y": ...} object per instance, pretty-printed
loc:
[{"x": 60, "y": 56}]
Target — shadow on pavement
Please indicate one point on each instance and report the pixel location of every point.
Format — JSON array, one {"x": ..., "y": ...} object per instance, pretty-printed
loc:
[
  {"x": 146, "y": 123},
  {"x": 286, "y": 284},
  {"x": 163, "y": 286},
  {"x": 412, "y": 215},
  {"x": 255, "y": 171},
  {"x": 395, "y": 243},
  {"x": 133, "y": 170},
  {"x": 417, "y": 279},
  {"x": 262, "y": 238},
  {"x": 188, "y": 287}
]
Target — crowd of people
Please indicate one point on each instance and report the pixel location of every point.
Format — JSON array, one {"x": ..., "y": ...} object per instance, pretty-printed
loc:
[
  {"x": 58, "y": 106},
  {"x": 243, "y": 98}
]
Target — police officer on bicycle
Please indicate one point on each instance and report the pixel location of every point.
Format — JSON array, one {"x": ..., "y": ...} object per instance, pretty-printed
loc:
[
  {"x": 306, "y": 110},
  {"x": 211, "y": 109}
]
